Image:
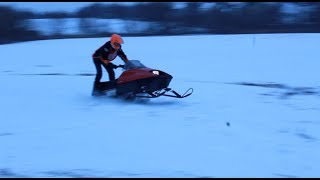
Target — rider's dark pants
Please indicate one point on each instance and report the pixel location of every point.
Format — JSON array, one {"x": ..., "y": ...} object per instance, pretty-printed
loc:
[{"x": 98, "y": 64}]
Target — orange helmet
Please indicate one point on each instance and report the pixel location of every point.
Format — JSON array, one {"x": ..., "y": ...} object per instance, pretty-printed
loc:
[{"x": 116, "y": 41}]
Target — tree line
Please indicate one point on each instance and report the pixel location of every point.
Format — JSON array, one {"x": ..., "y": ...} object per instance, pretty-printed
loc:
[{"x": 219, "y": 18}]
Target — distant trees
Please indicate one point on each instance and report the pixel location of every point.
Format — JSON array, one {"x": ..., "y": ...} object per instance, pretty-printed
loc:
[
  {"x": 55, "y": 15},
  {"x": 95, "y": 10},
  {"x": 164, "y": 18},
  {"x": 12, "y": 27},
  {"x": 251, "y": 16},
  {"x": 314, "y": 16}
]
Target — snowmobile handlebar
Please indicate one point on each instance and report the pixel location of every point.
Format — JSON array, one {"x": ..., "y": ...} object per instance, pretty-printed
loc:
[{"x": 120, "y": 65}]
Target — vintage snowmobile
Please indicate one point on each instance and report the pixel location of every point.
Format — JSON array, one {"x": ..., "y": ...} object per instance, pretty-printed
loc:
[{"x": 137, "y": 80}]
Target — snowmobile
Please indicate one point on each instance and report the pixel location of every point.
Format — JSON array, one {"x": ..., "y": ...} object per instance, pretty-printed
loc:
[{"x": 137, "y": 80}]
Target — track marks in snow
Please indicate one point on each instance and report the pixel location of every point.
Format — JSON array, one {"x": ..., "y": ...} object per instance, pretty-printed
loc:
[
  {"x": 86, "y": 173},
  {"x": 5, "y": 134},
  {"x": 287, "y": 91}
]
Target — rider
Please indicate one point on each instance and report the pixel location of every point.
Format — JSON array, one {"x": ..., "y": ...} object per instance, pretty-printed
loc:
[{"x": 103, "y": 57}]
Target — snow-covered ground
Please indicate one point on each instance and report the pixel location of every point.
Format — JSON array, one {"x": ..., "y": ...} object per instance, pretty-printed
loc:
[{"x": 265, "y": 86}]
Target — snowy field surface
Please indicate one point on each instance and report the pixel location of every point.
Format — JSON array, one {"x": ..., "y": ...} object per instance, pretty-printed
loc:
[{"x": 255, "y": 110}]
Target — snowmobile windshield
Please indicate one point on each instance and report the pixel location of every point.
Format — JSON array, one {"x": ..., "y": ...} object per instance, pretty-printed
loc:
[{"x": 134, "y": 64}]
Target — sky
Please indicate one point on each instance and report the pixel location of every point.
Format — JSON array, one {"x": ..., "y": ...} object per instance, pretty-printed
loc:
[
  {"x": 55, "y": 6},
  {"x": 74, "y": 6},
  {"x": 60, "y": 6},
  {"x": 264, "y": 86}
]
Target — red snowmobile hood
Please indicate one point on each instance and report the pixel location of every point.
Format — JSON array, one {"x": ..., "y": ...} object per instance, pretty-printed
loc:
[{"x": 135, "y": 74}]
